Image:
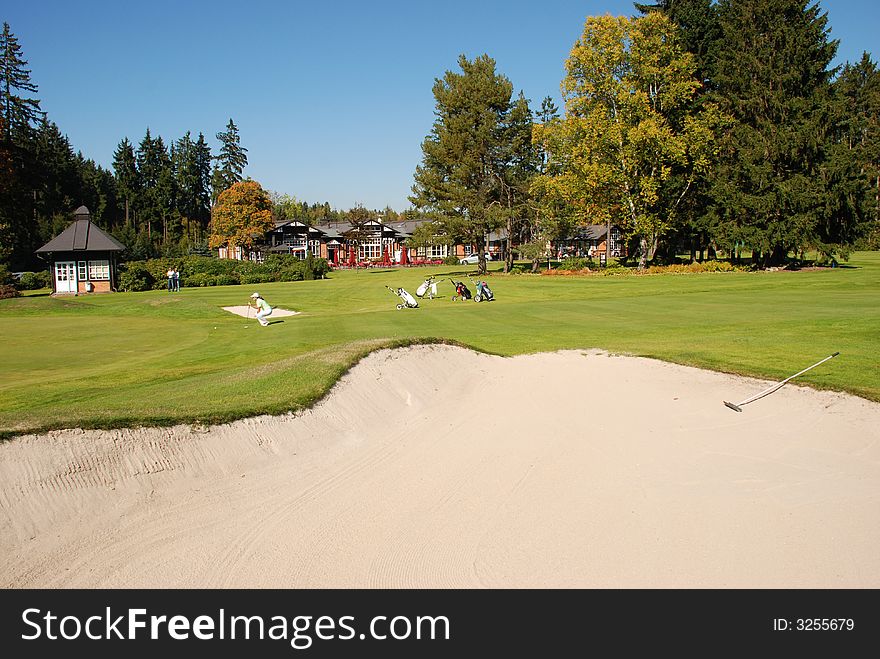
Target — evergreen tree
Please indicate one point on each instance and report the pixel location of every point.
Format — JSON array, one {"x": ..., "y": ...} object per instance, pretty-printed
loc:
[
  {"x": 17, "y": 110},
  {"x": 98, "y": 192},
  {"x": 457, "y": 181},
  {"x": 517, "y": 162},
  {"x": 851, "y": 171},
  {"x": 698, "y": 23},
  {"x": 54, "y": 176},
  {"x": 230, "y": 162},
  {"x": 156, "y": 177},
  {"x": 188, "y": 184},
  {"x": 203, "y": 188},
  {"x": 772, "y": 75},
  {"x": 127, "y": 179}
]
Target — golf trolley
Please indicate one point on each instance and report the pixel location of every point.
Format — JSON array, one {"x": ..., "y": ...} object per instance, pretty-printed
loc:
[
  {"x": 483, "y": 292},
  {"x": 428, "y": 287},
  {"x": 408, "y": 301},
  {"x": 462, "y": 292}
]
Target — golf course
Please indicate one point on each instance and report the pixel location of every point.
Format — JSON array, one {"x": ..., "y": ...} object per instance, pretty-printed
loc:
[{"x": 157, "y": 358}]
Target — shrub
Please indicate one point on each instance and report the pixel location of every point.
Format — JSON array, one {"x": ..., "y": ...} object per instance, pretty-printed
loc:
[
  {"x": 574, "y": 263},
  {"x": 135, "y": 276},
  {"x": 200, "y": 279},
  {"x": 226, "y": 280},
  {"x": 196, "y": 271},
  {"x": 7, "y": 291},
  {"x": 451, "y": 259},
  {"x": 31, "y": 281},
  {"x": 255, "y": 277}
]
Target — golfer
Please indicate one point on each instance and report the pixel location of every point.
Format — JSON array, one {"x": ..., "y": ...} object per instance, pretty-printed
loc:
[{"x": 262, "y": 307}]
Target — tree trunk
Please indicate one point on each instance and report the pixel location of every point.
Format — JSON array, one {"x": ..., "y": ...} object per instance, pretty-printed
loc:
[
  {"x": 508, "y": 256},
  {"x": 643, "y": 252}
]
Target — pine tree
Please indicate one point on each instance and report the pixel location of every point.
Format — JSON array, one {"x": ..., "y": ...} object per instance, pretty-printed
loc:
[
  {"x": 127, "y": 179},
  {"x": 517, "y": 162},
  {"x": 456, "y": 182},
  {"x": 852, "y": 168},
  {"x": 17, "y": 110},
  {"x": 203, "y": 188},
  {"x": 156, "y": 177},
  {"x": 772, "y": 75},
  {"x": 188, "y": 182},
  {"x": 698, "y": 22},
  {"x": 231, "y": 161}
]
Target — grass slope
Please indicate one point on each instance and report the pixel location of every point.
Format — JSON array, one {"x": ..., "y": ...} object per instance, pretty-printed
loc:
[{"x": 160, "y": 358}]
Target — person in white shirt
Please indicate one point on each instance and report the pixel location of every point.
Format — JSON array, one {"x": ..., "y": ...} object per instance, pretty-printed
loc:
[{"x": 262, "y": 307}]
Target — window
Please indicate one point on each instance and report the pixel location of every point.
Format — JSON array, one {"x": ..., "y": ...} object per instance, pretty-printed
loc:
[
  {"x": 315, "y": 247},
  {"x": 81, "y": 266},
  {"x": 371, "y": 249},
  {"x": 99, "y": 270},
  {"x": 437, "y": 251}
]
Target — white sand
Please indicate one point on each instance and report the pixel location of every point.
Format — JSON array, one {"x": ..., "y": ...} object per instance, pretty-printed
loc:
[
  {"x": 439, "y": 467},
  {"x": 248, "y": 312}
]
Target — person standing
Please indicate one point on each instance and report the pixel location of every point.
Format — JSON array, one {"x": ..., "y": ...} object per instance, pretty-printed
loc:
[
  {"x": 170, "y": 275},
  {"x": 176, "y": 279},
  {"x": 262, "y": 307}
]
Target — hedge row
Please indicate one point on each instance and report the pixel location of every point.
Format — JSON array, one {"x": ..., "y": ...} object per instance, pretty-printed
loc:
[
  {"x": 198, "y": 271},
  {"x": 32, "y": 281}
]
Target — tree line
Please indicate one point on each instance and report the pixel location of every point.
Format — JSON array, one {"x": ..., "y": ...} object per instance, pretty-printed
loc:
[
  {"x": 157, "y": 199},
  {"x": 693, "y": 126}
]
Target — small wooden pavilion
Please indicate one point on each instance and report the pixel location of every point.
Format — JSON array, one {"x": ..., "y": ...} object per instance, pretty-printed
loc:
[{"x": 82, "y": 257}]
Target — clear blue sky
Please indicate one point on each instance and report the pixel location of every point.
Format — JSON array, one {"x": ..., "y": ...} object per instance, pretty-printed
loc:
[{"x": 332, "y": 99}]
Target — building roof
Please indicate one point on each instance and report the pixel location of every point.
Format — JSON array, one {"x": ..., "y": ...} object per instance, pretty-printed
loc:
[
  {"x": 588, "y": 232},
  {"x": 82, "y": 235}
]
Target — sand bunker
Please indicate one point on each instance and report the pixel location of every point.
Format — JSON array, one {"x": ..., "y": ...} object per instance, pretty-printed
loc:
[
  {"x": 243, "y": 311},
  {"x": 437, "y": 467}
]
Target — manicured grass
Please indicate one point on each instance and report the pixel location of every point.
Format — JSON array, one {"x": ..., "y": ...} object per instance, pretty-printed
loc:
[{"x": 159, "y": 358}]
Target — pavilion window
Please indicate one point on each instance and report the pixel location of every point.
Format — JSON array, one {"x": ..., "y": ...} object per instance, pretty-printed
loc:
[{"x": 99, "y": 270}]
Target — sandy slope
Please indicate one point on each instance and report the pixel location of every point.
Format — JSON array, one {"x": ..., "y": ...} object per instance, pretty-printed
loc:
[{"x": 439, "y": 467}]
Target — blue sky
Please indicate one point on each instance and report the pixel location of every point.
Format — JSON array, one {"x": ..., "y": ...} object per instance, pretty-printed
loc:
[{"x": 332, "y": 99}]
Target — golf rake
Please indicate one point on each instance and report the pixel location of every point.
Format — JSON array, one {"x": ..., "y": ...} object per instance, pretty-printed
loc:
[{"x": 737, "y": 407}]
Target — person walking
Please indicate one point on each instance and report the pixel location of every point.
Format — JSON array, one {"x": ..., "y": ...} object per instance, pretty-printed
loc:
[{"x": 262, "y": 307}]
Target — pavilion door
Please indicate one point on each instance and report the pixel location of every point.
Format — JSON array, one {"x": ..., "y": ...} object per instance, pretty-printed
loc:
[{"x": 65, "y": 277}]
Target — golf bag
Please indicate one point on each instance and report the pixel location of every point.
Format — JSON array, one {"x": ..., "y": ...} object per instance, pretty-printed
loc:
[
  {"x": 483, "y": 292},
  {"x": 407, "y": 300},
  {"x": 429, "y": 287},
  {"x": 461, "y": 291}
]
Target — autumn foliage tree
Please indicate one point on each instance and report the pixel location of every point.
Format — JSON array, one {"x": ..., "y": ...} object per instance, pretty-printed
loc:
[
  {"x": 243, "y": 213},
  {"x": 630, "y": 147}
]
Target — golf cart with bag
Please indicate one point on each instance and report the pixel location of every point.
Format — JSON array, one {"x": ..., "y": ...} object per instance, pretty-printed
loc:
[
  {"x": 428, "y": 287},
  {"x": 407, "y": 300},
  {"x": 483, "y": 292},
  {"x": 462, "y": 292}
]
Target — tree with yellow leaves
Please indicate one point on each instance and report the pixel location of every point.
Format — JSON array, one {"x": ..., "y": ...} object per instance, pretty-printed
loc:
[
  {"x": 630, "y": 146},
  {"x": 242, "y": 215}
]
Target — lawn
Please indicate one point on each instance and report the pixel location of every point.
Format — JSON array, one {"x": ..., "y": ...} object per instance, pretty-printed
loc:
[{"x": 160, "y": 358}]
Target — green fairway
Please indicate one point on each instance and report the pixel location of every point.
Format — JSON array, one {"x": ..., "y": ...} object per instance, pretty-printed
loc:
[{"x": 158, "y": 357}]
